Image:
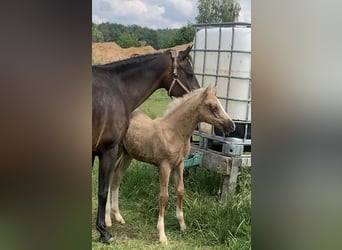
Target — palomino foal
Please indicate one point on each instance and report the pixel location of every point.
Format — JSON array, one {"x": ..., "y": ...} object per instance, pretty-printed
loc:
[{"x": 164, "y": 142}]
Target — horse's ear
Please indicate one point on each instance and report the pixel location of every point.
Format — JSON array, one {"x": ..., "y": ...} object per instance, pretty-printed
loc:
[{"x": 183, "y": 54}]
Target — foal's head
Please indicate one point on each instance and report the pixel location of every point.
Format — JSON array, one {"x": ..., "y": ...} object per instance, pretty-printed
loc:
[{"x": 211, "y": 111}]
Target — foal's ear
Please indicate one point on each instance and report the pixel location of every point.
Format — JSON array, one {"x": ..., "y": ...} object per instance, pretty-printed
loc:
[
  {"x": 183, "y": 54},
  {"x": 210, "y": 89}
]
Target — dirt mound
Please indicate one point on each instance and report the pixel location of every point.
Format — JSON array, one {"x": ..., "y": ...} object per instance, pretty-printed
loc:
[
  {"x": 181, "y": 47},
  {"x": 139, "y": 50},
  {"x": 106, "y": 52},
  {"x": 110, "y": 51}
]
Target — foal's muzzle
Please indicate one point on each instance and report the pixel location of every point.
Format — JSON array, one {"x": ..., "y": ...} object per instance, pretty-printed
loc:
[{"x": 229, "y": 126}]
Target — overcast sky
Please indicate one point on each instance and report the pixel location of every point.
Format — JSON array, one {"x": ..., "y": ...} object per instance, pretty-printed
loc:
[{"x": 154, "y": 13}]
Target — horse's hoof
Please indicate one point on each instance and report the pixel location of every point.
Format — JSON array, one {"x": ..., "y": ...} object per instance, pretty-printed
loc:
[
  {"x": 105, "y": 236},
  {"x": 106, "y": 239}
]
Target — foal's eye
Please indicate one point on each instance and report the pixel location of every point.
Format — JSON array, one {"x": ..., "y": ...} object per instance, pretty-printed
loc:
[{"x": 213, "y": 108}]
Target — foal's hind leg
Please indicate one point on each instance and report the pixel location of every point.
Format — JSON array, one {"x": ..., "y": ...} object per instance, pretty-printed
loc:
[
  {"x": 179, "y": 185},
  {"x": 164, "y": 175},
  {"x": 108, "y": 220},
  {"x": 121, "y": 166}
]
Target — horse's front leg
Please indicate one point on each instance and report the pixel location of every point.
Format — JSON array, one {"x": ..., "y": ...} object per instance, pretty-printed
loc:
[
  {"x": 164, "y": 175},
  {"x": 107, "y": 159},
  {"x": 179, "y": 185}
]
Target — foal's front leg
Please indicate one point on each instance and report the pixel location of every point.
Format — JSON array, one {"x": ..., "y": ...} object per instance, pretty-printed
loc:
[
  {"x": 179, "y": 185},
  {"x": 164, "y": 175}
]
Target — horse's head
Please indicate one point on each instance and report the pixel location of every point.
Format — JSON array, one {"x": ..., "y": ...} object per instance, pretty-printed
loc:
[
  {"x": 211, "y": 111},
  {"x": 183, "y": 78}
]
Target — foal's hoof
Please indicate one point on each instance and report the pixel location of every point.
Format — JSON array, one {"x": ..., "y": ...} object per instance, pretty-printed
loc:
[
  {"x": 182, "y": 228},
  {"x": 107, "y": 239},
  {"x": 119, "y": 218},
  {"x": 163, "y": 240},
  {"x": 108, "y": 223}
]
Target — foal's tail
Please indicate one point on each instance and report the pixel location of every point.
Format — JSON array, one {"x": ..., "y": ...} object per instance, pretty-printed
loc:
[
  {"x": 119, "y": 158},
  {"x": 123, "y": 160}
]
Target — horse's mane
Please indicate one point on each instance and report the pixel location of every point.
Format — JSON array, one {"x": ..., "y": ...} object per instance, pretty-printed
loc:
[
  {"x": 127, "y": 63},
  {"x": 179, "y": 101}
]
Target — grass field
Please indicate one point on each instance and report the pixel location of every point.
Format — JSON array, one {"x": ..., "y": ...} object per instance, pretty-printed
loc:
[{"x": 210, "y": 224}]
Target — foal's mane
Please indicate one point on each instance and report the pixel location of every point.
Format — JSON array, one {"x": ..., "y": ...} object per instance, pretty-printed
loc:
[{"x": 179, "y": 101}]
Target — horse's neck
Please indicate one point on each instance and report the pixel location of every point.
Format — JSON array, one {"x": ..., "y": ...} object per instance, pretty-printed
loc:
[
  {"x": 144, "y": 80},
  {"x": 185, "y": 117}
]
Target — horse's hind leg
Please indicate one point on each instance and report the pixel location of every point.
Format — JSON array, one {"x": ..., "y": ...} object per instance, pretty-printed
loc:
[
  {"x": 164, "y": 175},
  {"x": 107, "y": 159},
  {"x": 179, "y": 185}
]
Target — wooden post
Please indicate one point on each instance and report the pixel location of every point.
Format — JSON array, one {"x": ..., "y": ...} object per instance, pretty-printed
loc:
[
  {"x": 228, "y": 166},
  {"x": 230, "y": 181}
]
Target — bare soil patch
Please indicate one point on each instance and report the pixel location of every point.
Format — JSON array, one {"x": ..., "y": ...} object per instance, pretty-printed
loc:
[{"x": 110, "y": 51}]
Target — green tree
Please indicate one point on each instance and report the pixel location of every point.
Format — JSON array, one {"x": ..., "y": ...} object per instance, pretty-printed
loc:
[
  {"x": 217, "y": 11},
  {"x": 111, "y": 31},
  {"x": 165, "y": 38},
  {"x": 127, "y": 40},
  {"x": 144, "y": 34},
  {"x": 184, "y": 35},
  {"x": 97, "y": 35},
  {"x": 135, "y": 35}
]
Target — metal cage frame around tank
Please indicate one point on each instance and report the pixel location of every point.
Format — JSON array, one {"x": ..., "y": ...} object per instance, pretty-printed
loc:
[{"x": 231, "y": 145}]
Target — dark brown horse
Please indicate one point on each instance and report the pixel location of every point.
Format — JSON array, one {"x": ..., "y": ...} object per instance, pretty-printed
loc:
[{"x": 119, "y": 88}]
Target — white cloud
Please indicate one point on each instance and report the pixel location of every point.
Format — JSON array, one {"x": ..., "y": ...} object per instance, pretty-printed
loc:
[
  {"x": 245, "y": 13},
  {"x": 96, "y": 19},
  {"x": 136, "y": 9},
  {"x": 153, "y": 13},
  {"x": 184, "y": 6}
]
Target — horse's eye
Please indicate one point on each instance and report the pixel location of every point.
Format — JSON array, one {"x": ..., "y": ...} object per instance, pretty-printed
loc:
[{"x": 190, "y": 74}]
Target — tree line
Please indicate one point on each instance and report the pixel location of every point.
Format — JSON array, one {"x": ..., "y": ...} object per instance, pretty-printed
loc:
[
  {"x": 135, "y": 35},
  {"x": 210, "y": 11}
]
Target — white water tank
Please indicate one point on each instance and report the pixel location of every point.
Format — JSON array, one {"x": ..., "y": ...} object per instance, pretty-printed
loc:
[{"x": 222, "y": 56}]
